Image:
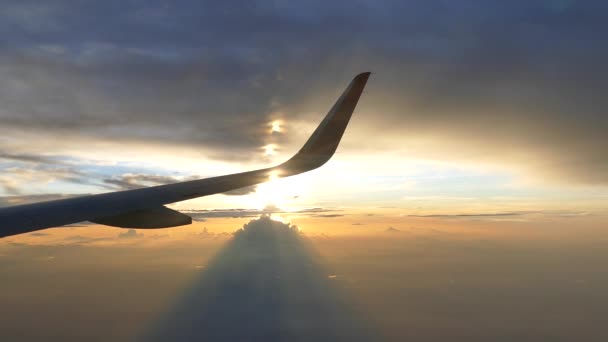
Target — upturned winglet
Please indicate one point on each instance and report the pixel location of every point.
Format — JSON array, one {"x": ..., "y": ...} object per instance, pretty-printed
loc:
[{"x": 324, "y": 141}]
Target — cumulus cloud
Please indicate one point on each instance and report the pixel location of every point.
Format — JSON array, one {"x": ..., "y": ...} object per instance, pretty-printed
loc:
[
  {"x": 265, "y": 227},
  {"x": 271, "y": 275}
]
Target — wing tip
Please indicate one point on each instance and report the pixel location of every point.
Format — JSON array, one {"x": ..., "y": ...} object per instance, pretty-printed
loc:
[
  {"x": 360, "y": 80},
  {"x": 363, "y": 76},
  {"x": 324, "y": 141}
]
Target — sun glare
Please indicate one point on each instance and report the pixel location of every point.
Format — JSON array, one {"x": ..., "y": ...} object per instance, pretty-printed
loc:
[
  {"x": 277, "y": 192},
  {"x": 275, "y": 126},
  {"x": 270, "y": 150},
  {"x": 279, "y": 218}
]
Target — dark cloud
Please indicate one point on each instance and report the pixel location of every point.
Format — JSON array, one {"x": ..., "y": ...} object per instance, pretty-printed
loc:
[
  {"x": 76, "y": 238},
  {"x": 21, "y": 169},
  {"x": 6, "y": 201},
  {"x": 327, "y": 215},
  {"x": 133, "y": 181},
  {"x": 31, "y": 168},
  {"x": 242, "y": 191},
  {"x": 507, "y": 214},
  {"x": 519, "y": 82},
  {"x": 29, "y": 158},
  {"x": 231, "y": 213}
]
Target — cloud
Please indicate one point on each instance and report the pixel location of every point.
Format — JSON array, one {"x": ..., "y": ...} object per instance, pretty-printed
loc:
[
  {"x": 18, "y": 244},
  {"x": 131, "y": 181},
  {"x": 241, "y": 213},
  {"x": 83, "y": 240},
  {"x": 242, "y": 191},
  {"x": 515, "y": 83},
  {"x": 392, "y": 230},
  {"x": 134, "y": 181},
  {"x": 29, "y": 158},
  {"x": 9, "y": 186},
  {"x": 205, "y": 233},
  {"x": 477, "y": 215},
  {"x": 327, "y": 215},
  {"x": 263, "y": 228},
  {"x": 76, "y": 238},
  {"x": 507, "y": 214},
  {"x": 215, "y": 213},
  {"x": 18, "y": 170},
  {"x": 25, "y": 199},
  {"x": 260, "y": 271},
  {"x": 130, "y": 234}
]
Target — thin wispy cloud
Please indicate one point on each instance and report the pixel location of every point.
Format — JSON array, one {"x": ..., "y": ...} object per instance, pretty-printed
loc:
[
  {"x": 134, "y": 181},
  {"x": 242, "y": 213},
  {"x": 507, "y": 214}
]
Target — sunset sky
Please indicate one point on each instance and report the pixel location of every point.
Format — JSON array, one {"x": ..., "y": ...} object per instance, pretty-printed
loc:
[{"x": 482, "y": 121}]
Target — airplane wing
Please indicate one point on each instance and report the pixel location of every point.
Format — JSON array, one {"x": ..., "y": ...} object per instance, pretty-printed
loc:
[{"x": 144, "y": 208}]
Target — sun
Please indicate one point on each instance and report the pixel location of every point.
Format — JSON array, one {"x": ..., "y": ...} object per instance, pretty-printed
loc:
[
  {"x": 278, "y": 192},
  {"x": 269, "y": 150},
  {"x": 275, "y": 126}
]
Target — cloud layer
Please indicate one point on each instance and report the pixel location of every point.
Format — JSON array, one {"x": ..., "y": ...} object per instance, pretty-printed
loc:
[{"x": 519, "y": 83}]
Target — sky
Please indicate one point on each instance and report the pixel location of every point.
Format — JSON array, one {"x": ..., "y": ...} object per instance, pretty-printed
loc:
[{"x": 480, "y": 134}]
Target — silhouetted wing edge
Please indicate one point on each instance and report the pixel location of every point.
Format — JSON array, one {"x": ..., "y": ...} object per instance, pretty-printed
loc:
[{"x": 144, "y": 204}]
